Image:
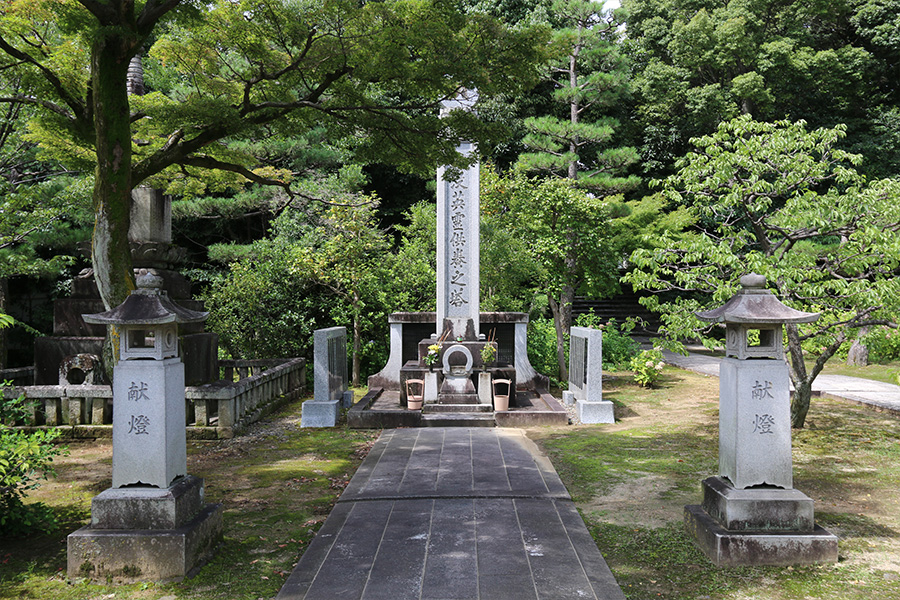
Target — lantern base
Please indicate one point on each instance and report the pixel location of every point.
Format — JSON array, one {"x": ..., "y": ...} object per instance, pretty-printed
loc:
[
  {"x": 739, "y": 549},
  {"x": 763, "y": 508},
  {"x": 146, "y": 534},
  {"x": 757, "y": 526}
]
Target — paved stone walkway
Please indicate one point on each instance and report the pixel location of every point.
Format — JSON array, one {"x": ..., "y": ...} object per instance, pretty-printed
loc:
[
  {"x": 453, "y": 513},
  {"x": 882, "y": 396}
]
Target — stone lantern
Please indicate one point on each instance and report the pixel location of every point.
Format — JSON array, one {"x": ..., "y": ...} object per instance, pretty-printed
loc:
[
  {"x": 751, "y": 514},
  {"x": 152, "y": 524}
]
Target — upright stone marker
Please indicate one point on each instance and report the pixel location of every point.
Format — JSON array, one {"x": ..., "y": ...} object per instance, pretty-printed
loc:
[
  {"x": 330, "y": 379},
  {"x": 458, "y": 251},
  {"x": 586, "y": 376},
  {"x": 152, "y": 524},
  {"x": 751, "y": 515}
]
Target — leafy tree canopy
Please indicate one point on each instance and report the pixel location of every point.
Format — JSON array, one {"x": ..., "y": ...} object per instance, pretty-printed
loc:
[
  {"x": 370, "y": 73},
  {"x": 784, "y": 202},
  {"x": 699, "y": 63}
]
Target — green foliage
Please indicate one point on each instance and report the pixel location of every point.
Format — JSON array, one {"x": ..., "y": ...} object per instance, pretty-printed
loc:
[
  {"x": 262, "y": 308},
  {"x": 783, "y": 202},
  {"x": 488, "y": 353},
  {"x": 589, "y": 76},
  {"x": 883, "y": 344},
  {"x": 618, "y": 347},
  {"x": 697, "y": 63},
  {"x": 647, "y": 367},
  {"x": 568, "y": 240},
  {"x": 25, "y": 459},
  {"x": 542, "y": 348}
]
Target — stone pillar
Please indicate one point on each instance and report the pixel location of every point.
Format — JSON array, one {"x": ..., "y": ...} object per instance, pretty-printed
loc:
[
  {"x": 330, "y": 379},
  {"x": 586, "y": 376},
  {"x": 458, "y": 233}
]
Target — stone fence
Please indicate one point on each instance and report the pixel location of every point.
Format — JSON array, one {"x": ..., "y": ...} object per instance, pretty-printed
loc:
[{"x": 248, "y": 390}]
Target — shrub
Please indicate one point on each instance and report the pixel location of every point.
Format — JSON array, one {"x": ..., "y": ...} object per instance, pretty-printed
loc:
[
  {"x": 542, "y": 348},
  {"x": 647, "y": 367},
  {"x": 618, "y": 347},
  {"x": 884, "y": 344},
  {"x": 25, "y": 459}
]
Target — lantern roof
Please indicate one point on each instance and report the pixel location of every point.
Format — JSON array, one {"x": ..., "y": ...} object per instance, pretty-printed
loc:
[
  {"x": 149, "y": 304},
  {"x": 755, "y": 304}
]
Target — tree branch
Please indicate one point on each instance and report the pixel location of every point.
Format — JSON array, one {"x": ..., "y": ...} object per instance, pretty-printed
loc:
[
  {"x": 51, "y": 106},
  {"x": 153, "y": 11},
  {"x": 77, "y": 107},
  {"x": 208, "y": 162}
]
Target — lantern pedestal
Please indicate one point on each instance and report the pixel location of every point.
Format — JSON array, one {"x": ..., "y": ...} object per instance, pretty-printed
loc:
[
  {"x": 757, "y": 526},
  {"x": 146, "y": 533}
]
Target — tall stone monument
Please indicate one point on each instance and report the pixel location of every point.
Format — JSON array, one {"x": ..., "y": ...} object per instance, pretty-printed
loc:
[
  {"x": 152, "y": 524},
  {"x": 751, "y": 513},
  {"x": 456, "y": 326},
  {"x": 458, "y": 253}
]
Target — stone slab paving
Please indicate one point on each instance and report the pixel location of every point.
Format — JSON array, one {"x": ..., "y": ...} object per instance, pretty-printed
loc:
[
  {"x": 879, "y": 395},
  {"x": 453, "y": 514}
]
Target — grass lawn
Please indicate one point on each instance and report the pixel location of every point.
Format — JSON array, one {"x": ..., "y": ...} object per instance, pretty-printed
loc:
[
  {"x": 277, "y": 484},
  {"x": 630, "y": 480}
]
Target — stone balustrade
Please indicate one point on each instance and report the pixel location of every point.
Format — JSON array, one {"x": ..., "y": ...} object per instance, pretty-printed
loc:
[{"x": 248, "y": 390}]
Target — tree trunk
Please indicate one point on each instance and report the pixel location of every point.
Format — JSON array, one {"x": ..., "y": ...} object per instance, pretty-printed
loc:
[
  {"x": 111, "y": 254},
  {"x": 4, "y": 303},
  {"x": 573, "y": 114},
  {"x": 859, "y": 353},
  {"x": 802, "y": 385},
  {"x": 562, "y": 321},
  {"x": 110, "y": 250},
  {"x": 800, "y": 403}
]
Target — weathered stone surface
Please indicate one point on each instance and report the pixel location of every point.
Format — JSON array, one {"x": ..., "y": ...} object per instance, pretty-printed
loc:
[
  {"x": 148, "y": 508},
  {"x": 148, "y": 423},
  {"x": 458, "y": 250},
  {"x": 595, "y": 412},
  {"x": 754, "y": 423},
  {"x": 733, "y": 549},
  {"x": 757, "y": 509},
  {"x": 320, "y": 414},
  {"x": 330, "y": 366},
  {"x": 485, "y": 388},
  {"x": 145, "y": 554},
  {"x": 586, "y": 364}
]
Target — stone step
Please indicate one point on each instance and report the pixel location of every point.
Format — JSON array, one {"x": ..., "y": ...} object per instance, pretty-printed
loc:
[
  {"x": 458, "y": 420},
  {"x": 457, "y": 408},
  {"x": 444, "y": 398}
]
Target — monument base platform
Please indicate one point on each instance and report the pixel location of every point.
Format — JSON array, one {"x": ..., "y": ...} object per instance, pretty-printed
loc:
[
  {"x": 129, "y": 555},
  {"x": 595, "y": 412},
  {"x": 762, "y": 508},
  {"x": 744, "y": 548}
]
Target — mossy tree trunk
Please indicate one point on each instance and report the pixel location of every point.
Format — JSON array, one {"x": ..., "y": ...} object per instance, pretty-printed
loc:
[{"x": 110, "y": 57}]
